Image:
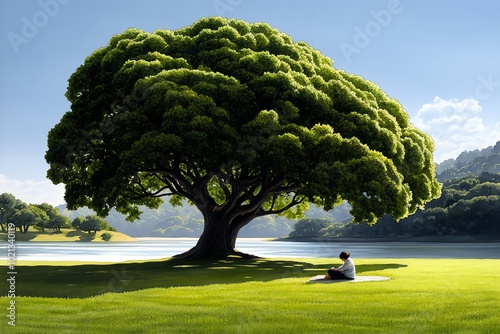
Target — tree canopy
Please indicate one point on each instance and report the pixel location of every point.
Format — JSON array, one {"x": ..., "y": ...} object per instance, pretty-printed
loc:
[
  {"x": 8, "y": 205},
  {"x": 92, "y": 223},
  {"x": 240, "y": 120}
]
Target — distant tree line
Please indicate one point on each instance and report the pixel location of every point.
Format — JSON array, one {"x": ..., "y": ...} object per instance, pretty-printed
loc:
[
  {"x": 467, "y": 206},
  {"x": 43, "y": 216},
  {"x": 23, "y": 216}
]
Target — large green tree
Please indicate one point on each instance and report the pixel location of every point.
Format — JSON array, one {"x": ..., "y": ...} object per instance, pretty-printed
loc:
[
  {"x": 93, "y": 223},
  {"x": 50, "y": 212},
  {"x": 28, "y": 216},
  {"x": 57, "y": 222},
  {"x": 8, "y": 204},
  {"x": 240, "y": 120}
]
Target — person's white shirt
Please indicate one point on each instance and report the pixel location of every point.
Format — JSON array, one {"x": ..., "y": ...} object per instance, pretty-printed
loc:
[{"x": 348, "y": 268}]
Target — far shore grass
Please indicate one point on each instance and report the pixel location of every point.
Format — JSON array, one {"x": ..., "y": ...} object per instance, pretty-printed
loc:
[
  {"x": 232, "y": 295},
  {"x": 67, "y": 234}
]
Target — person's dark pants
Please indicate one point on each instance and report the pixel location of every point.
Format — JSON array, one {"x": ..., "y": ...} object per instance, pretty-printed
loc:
[{"x": 336, "y": 274}]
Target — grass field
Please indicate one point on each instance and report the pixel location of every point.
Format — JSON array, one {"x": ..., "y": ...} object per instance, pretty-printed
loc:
[{"x": 258, "y": 296}]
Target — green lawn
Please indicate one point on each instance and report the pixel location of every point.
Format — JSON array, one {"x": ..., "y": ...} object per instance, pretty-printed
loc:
[
  {"x": 67, "y": 235},
  {"x": 258, "y": 296}
]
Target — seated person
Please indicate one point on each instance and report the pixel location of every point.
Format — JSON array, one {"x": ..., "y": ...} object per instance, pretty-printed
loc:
[{"x": 345, "y": 271}]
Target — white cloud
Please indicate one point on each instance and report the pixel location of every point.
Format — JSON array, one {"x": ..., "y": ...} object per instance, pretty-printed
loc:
[
  {"x": 33, "y": 192},
  {"x": 452, "y": 107},
  {"x": 455, "y": 126}
]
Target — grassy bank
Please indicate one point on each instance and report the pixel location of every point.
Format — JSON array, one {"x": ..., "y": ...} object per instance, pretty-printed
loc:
[
  {"x": 259, "y": 296},
  {"x": 67, "y": 235}
]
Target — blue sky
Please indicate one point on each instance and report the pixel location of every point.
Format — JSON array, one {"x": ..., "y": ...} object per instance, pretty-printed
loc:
[{"x": 440, "y": 59}]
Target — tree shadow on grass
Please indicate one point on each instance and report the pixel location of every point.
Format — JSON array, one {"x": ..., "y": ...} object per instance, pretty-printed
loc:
[
  {"x": 82, "y": 236},
  {"x": 20, "y": 236},
  {"x": 81, "y": 281},
  {"x": 75, "y": 233}
]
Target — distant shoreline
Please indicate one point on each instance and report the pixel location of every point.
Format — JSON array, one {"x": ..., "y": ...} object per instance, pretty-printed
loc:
[
  {"x": 444, "y": 239},
  {"x": 70, "y": 235}
]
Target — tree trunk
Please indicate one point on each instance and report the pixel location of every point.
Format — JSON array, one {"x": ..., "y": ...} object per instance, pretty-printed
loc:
[{"x": 219, "y": 237}]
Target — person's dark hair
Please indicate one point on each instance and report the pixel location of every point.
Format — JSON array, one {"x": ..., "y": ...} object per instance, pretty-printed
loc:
[{"x": 344, "y": 255}]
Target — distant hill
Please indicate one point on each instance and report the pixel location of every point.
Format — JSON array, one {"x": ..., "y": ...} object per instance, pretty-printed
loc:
[{"x": 470, "y": 163}]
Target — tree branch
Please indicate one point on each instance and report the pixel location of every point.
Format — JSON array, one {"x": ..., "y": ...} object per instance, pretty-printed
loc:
[
  {"x": 293, "y": 203},
  {"x": 222, "y": 177}
]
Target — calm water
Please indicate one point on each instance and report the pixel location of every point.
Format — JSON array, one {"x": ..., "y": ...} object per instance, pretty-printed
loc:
[{"x": 157, "y": 248}]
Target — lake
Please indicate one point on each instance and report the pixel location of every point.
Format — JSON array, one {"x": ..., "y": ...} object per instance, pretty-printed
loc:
[{"x": 157, "y": 248}]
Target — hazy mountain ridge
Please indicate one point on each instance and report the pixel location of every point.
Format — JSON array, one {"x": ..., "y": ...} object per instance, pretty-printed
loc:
[{"x": 470, "y": 163}]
